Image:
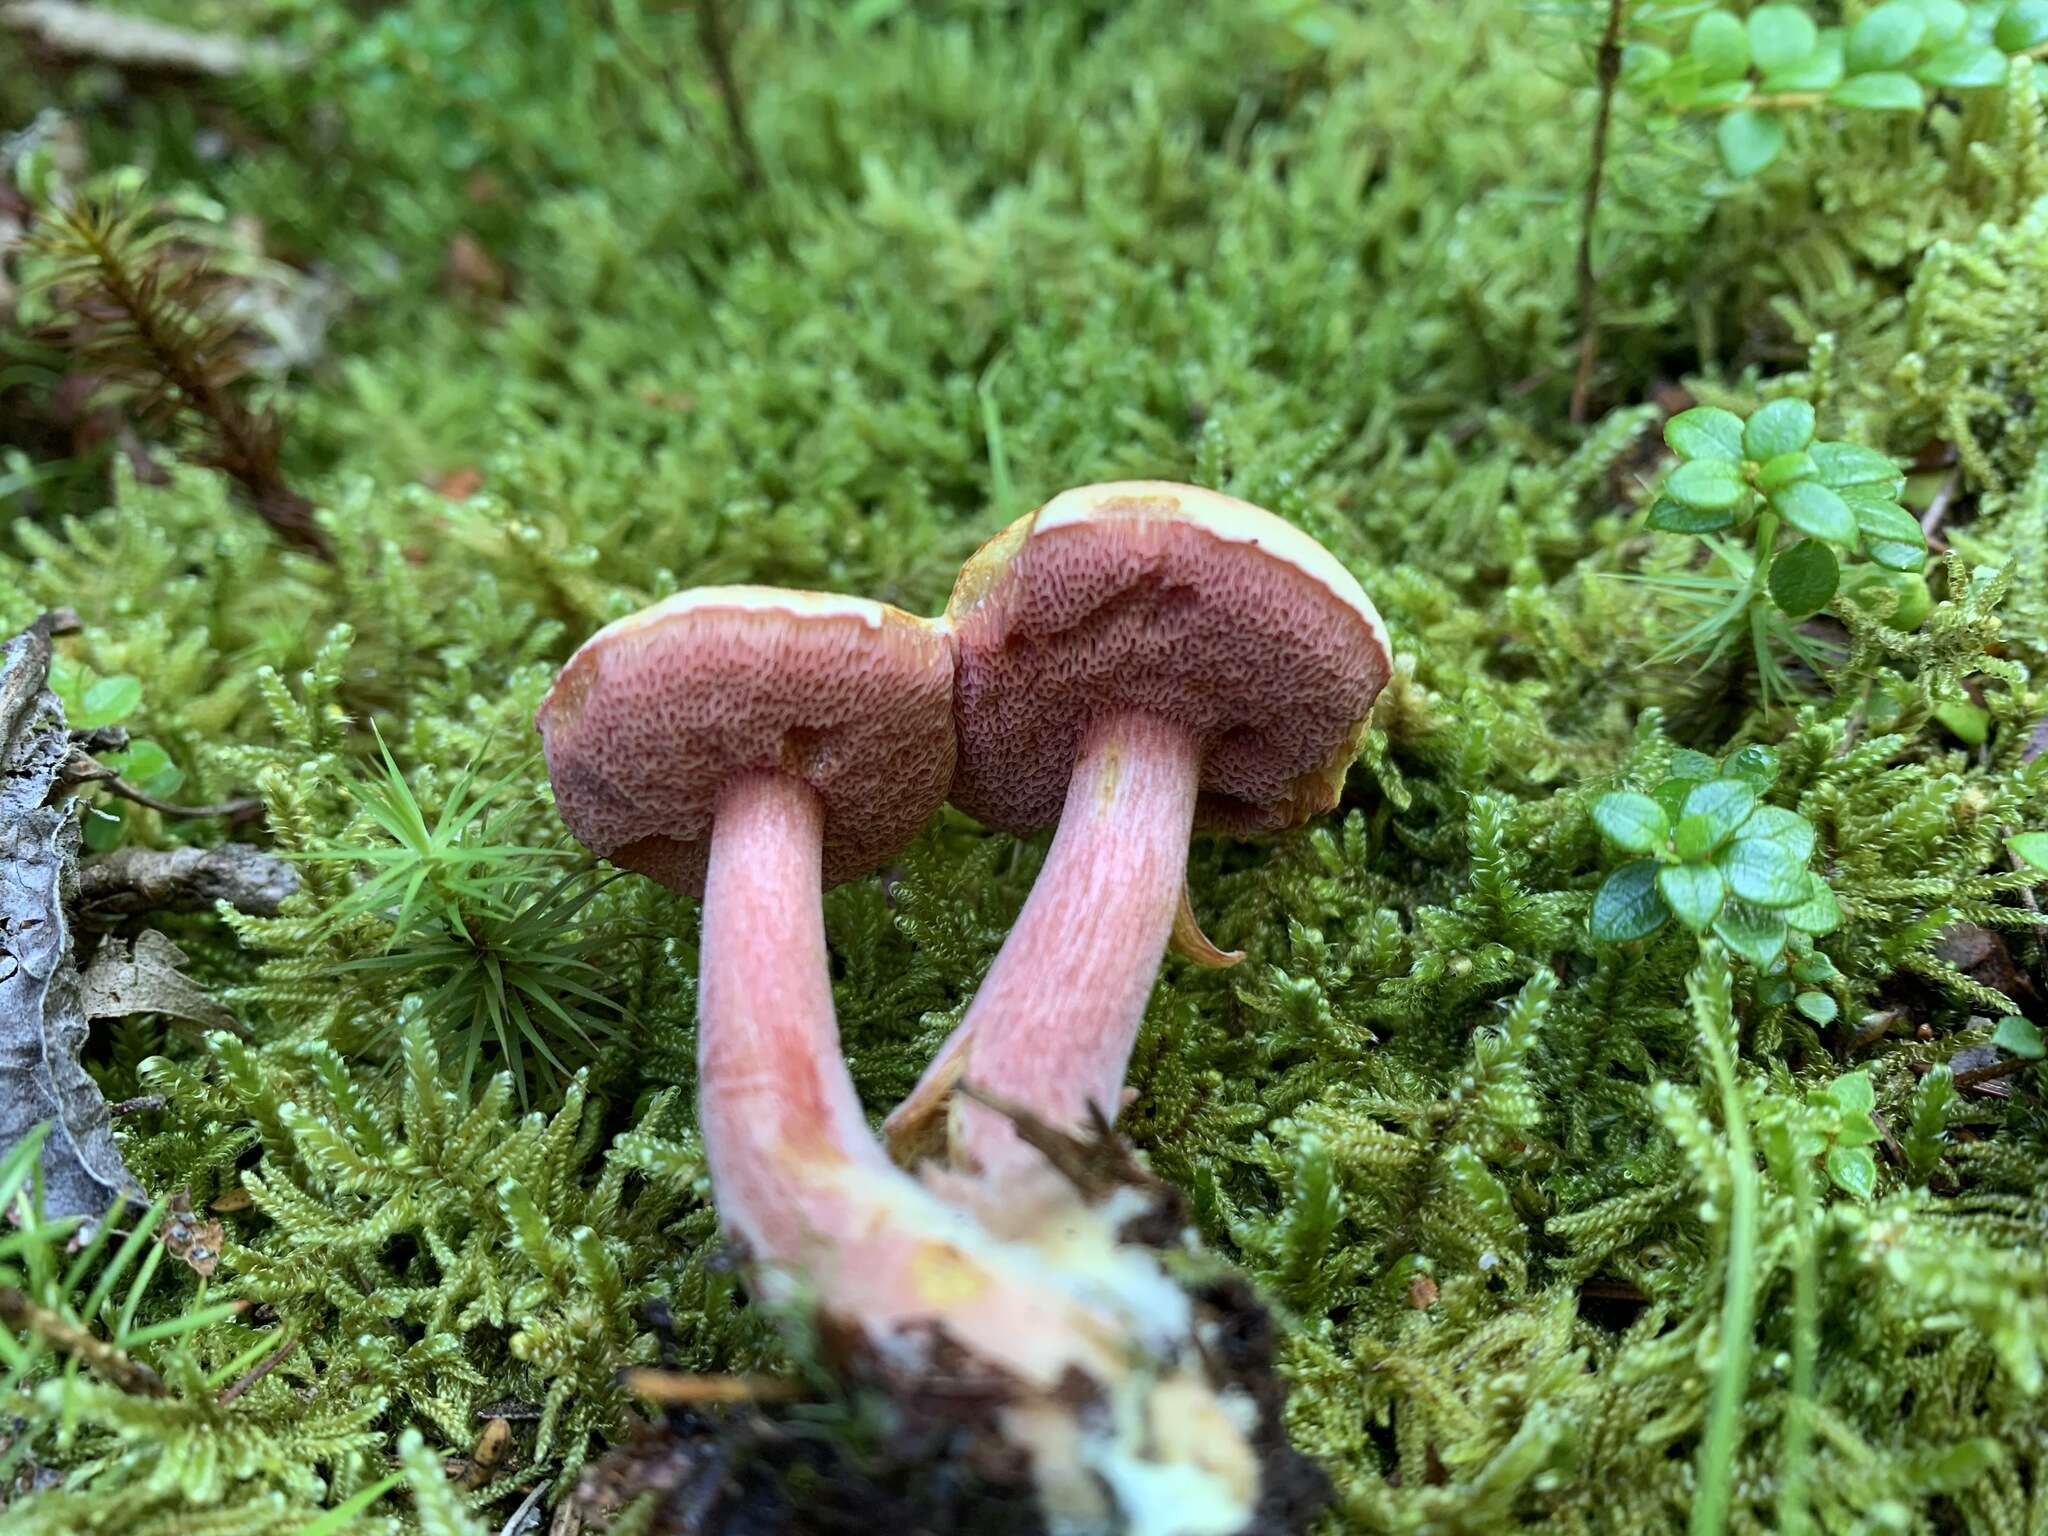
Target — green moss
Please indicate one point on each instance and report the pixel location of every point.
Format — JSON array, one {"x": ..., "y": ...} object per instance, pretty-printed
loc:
[{"x": 1315, "y": 254}]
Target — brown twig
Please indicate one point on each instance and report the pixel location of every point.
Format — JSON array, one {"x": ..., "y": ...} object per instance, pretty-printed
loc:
[
  {"x": 233, "y": 810},
  {"x": 131, "y": 880},
  {"x": 716, "y": 41},
  {"x": 1996, "y": 1069},
  {"x": 257, "y": 1372},
  {"x": 98, "y": 1356},
  {"x": 1937, "y": 509},
  {"x": 678, "y": 1387},
  {"x": 1607, "y": 71}
]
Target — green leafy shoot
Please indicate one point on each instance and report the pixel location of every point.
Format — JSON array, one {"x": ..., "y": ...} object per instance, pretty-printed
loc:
[
  {"x": 1715, "y": 857},
  {"x": 1802, "y": 506}
]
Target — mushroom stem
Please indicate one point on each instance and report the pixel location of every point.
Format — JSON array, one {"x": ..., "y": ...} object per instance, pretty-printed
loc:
[
  {"x": 1053, "y": 1024},
  {"x": 777, "y": 1108}
]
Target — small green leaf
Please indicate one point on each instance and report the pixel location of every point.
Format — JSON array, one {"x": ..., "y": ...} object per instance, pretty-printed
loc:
[
  {"x": 1966, "y": 722},
  {"x": 1774, "y": 991},
  {"x": 1820, "y": 70},
  {"x": 1643, "y": 65},
  {"x": 1708, "y": 485},
  {"x": 1724, "y": 803},
  {"x": 1764, "y": 871},
  {"x": 1788, "y": 828},
  {"x": 1817, "y": 1006},
  {"x": 1782, "y": 426},
  {"x": 1815, "y": 968},
  {"x": 2019, "y": 1037},
  {"x": 1631, "y": 821},
  {"x": 1755, "y": 933},
  {"x": 1627, "y": 906},
  {"x": 2022, "y": 26},
  {"x": 107, "y": 701},
  {"x": 1843, "y": 464},
  {"x": 1813, "y": 509},
  {"x": 1817, "y": 911},
  {"x": 1963, "y": 66},
  {"x": 1721, "y": 45},
  {"x": 1780, "y": 36},
  {"x": 1804, "y": 578},
  {"x": 1690, "y": 767},
  {"x": 1881, "y": 518},
  {"x": 1668, "y": 516},
  {"x": 1784, "y": 469},
  {"x": 2031, "y": 849},
  {"x": 1880, "y": 91},
  {"x": 1857, "y": 1128},
  {"x": 1946, "y": 19},
  {"x": 1694, "y": 839},
  {"x": 1749, "y": 141},
  {"x": 1887, "y": 36},
  {"x": 1854, "y": 1171},
  {"x": 1705, "y": 432},
  {"x": 1756, "y": 765},
  {"x": 1693, "y": 892}
]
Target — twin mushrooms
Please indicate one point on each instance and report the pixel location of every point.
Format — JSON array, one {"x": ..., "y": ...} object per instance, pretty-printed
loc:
[{"x": 1129, "y": 663}]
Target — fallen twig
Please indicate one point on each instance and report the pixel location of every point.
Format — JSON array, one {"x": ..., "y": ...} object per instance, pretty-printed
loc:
[
  {"x": 1607, "y": 72},
  {"x": 257, "y": 1372},
  {"x": 132, "y": 880}
]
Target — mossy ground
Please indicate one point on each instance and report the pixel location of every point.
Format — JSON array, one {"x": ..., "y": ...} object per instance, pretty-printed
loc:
[{"x": 586, "y": 344}]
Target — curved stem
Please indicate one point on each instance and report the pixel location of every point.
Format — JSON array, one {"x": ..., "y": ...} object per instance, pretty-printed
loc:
[
  {"x": 776, "y": 1105},
  {"x": 1052, "y": 1026}
]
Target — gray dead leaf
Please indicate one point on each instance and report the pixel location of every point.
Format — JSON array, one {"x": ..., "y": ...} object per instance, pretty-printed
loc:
[
  {"x": 42, "y": 1018},
  {"x": 144, "y": 976}
]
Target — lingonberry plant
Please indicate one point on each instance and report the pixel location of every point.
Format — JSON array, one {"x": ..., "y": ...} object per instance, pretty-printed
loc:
[
  {"x": 1721, "y": 861},
  {"x": 1779, "y": 511},
  {"x": 1756, "y": 73}
]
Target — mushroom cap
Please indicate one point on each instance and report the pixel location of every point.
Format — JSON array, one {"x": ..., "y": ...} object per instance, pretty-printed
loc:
[
  {"x": 1167, "y": 600},
  {"x": 655, "y": 714}
]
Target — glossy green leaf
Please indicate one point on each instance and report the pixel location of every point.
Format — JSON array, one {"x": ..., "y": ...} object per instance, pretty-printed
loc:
[
  {"x": 1749, "y": 141},
  {"x": 2019, "y": 1037},
  {"x": 1814, "y": 968},
  {"x": 1668, "y": 516},
  {"x": 1708, "y": 485},
  {"x": 1784, "y": 469},
  {"x": 1886, "y": 36},
  {"x": 1782, "y": 426},
  {"x": 1631, "y": 821},
  {"x": 1720, "y": 45},
  {"x": 1764, "y": 871},
  {"x": 1804, "y": 578},
  {"x": 2031, "y": 849},
  {"x": 1841, "y": 464},
  {"x": 1693, "y": 892},
  {"x": 2022, "y": 26},
  {"x": 1880, "y": 91},
  {"x": 1694, "y": 838},
  {"x": 1780, "y": 36},
  {"x": 1816, "y": 912},
  {"x": 1627, "y": 905},
  {"x": 1755, "y": 933},
  {"x": 1946, "y": 19},
  {"x": 1963, "y": 66},
  {"x": 1789, "y": 828},
  {"x": 1967, "y": 722},
  {"x": 1705, "y": 432},
  {"x": 106, "y": 702},
  {"x": 1724, "y": 803},
  {"x": 1820, "y": 70},
  {"x": 1813, "y": 509},
  {"x": 1643, "y": 65},
  {"x": 1817, "y": 1006},
  {"x": 1756, "y": 765},
  {"x": 1853, "y": 1171}
]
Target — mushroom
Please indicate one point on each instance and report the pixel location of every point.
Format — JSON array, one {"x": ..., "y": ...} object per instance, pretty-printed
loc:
[
  {"x": 756, "y": 746},
  {"x": 1135, "y": 660}
]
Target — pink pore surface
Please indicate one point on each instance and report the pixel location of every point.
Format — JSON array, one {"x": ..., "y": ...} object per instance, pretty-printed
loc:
[
  {"x": 1135, "y": 611},
  {"x": 644, "y": 727}
]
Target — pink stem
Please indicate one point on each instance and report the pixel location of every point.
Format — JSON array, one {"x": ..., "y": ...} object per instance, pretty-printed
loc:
[
  {"x": 1053, "y": 1025},
  {"x": 778, "y": 1111}
]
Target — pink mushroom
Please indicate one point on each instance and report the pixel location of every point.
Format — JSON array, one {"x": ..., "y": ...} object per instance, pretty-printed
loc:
[
  {"x": 1135, "y": 660},
  {"x": 758, "y": 745}
]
